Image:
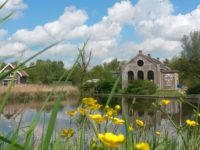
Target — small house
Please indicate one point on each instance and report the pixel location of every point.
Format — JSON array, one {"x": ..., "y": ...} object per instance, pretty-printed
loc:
[{"x": 21, "y": 75}]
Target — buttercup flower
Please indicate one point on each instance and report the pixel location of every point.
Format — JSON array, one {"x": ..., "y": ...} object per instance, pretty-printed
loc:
[
  {"x": 142, "y": 146},
  {"x": 82, "y": 111},
  {"x": 118, "y": 121},
  {"x": 165, "y": 102},
  {"x": 192, "y": 123},
  {"x": 111, "y": 140},
  {"x": 157, "y": 132},
  {"x": 71, "y": 113},
  {"x": 117, "y": 107},
  {"x": 130, "y": 128},
  {"x": 89, "y": 101},
  {"x": 67, "y": 132},
  {"x": 97, "y": 118},
  {"x": 95, "y": 106},
  {"x": 198, "y": 114},
  {"x": 140, "y": 123},
  {"x": 109, "y": 112}
]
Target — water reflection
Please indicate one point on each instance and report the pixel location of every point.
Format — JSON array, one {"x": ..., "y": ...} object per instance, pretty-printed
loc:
[{"x": 10, "y": 118}]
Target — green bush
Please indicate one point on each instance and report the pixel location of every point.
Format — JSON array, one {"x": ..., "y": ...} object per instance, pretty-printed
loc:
[
  {"x": 141, "y": 87},
  {"x": 194, "y": 89},
  {"x": 105, "y": 86}
]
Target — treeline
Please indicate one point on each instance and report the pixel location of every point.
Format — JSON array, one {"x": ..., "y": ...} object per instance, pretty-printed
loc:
[
  {"x": 45, "y": 71},
  {"x": 48, "y": 72}
]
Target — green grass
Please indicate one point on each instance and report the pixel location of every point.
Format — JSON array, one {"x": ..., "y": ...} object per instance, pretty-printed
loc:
[{"x": 160, "y": 92}]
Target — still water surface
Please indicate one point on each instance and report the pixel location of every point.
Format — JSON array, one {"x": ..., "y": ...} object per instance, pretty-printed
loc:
[{"x": 10, "y": 119}]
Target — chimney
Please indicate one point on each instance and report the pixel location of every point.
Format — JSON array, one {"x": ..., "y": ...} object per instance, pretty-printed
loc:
[
  {"x": 140, "y": 51},
  {"x": 157, "y": 58},
  {"x": 149, "y": 55}
]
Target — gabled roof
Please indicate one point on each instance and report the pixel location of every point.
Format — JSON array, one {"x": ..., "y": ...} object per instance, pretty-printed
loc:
[
  {"x": 152, "y": 60},
  {"x": 22, "y": 73}
]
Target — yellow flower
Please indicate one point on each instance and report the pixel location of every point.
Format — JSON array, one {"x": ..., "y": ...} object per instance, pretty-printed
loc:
[
  {"x": 130, "y": 128},
  {"x": 192, "y": 123},
  {"x": 165, "y": 102},
  {"x": 111, "y": 140},
  {"x": 140, "y": 123},
  {"x": 89, "y": 101},
  {"x": 118, "y": 121},
  {"x": 157, "y": 132},
  {"x": 142, "y": 146},
  {"x": 117, "y": 107},
  {"x": 97, "y": 118},
  {"x": 198, "y": 114},
  {"x": 82, "y": 111},
  {"x": 67, "y": 132},
  {"x": 95, "y": 106},
  {"x": 71, "y": 113},
  {"x": 110, "y": 112}
]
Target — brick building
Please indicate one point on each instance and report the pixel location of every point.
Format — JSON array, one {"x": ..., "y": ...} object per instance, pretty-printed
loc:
[{"x": 145, "y": 67}]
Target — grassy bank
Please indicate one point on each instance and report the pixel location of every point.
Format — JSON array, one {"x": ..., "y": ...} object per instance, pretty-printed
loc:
[
  {"x": 160, "y": 92},
  {"x": 28, "y": 93}
]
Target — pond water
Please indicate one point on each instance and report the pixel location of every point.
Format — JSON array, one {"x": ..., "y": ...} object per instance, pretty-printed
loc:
[{"x": 10, "y": 119}]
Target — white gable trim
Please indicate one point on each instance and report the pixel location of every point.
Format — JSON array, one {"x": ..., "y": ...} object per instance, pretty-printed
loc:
[{"x": 11, "y": 67}]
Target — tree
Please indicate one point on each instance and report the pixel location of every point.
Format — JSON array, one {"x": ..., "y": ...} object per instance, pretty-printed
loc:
[
  {"x": 188, "y": 63},
  {"x": 190, "y": 56},
  {"x": 84, "y": 61},
  {"x": 114, "y": 65},
  {"x": 46, "y": 71}
]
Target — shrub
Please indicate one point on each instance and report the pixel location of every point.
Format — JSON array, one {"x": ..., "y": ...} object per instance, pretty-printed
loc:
[
  {"x": 106, "y": 85},
  {"x": 194, "y": 89},
  {"x": 141, "y": 87}
]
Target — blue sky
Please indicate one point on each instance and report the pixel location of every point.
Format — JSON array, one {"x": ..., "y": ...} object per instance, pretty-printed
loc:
[{"x": 117, "y": 29}]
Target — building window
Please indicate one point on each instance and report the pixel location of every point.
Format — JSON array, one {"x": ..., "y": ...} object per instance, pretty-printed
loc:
[
  {"x": 140, "y": 63},
  {"x": 140, "y": 75},
  {"x": 5, "y": 82},
  {"x": 150, "y": 75},
  {"x": 130, "y": 76}
]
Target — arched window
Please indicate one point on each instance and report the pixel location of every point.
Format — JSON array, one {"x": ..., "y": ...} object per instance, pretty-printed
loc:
[
  {"x": 150, "y": 75},
  {"x": 140, "y": 75},
  {"x": 130, "y": 76}
]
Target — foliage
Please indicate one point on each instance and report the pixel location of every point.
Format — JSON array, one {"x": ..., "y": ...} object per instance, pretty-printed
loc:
[
  {"x": 114, "y": 65},
  {"x": 194, "y": 89},
  {"x": 46, "y": 71},
  {"x": 141, "y": 87},
  {"x": 105, "y": 76},
  {"x": 188, "y": 63}
]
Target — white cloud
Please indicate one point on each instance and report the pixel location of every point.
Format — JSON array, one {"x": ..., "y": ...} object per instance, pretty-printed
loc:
[
  {"x": 12, "y": 48},
  {"x": 170, "y": 27},
  {"x": 61, "y": 50},
  {"x": 16, "y": 6},
  {"x": 152, "y": 9},
  {"x": 150, "y": 45},
  {"x": 122, "y": 12},
  {"x": 68, "y": 26},
  {"x": 108, "y": 60}
]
